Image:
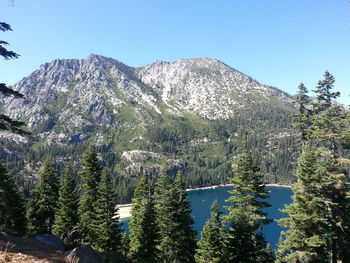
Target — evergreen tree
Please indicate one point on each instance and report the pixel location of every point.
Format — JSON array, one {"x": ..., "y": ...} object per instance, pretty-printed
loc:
[
  {"x": 66, "y": 216},
  {"x": 306, "y": 239},
  {"x": 177, "y": 239},
  {"x": 7, "y": 123},
  {"x": 211, "y": 246},
  {"x": 244, "y": 242},
  {"x": 324, "y": 94},
  {"x": 12, "y": 207},
  {"x": 107, "y": 223},
  {"x": 124, "y": 245},
  {"x": 43, "y": 201},
  {"x": 91, "y": 175},
  {"x": 302, "y": 120},
  {"x": 319, "y": 222},
  {"x": 345, "y": 134},
  {"x": 328, "y": 117},
  {"x": 143, "y": 229}
]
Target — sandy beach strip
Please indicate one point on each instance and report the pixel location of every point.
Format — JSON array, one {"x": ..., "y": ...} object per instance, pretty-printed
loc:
[
  {"x": 224, "y": 185},
  {"x": 279, "y": 185},
  {"x": 125, "y": 209}
]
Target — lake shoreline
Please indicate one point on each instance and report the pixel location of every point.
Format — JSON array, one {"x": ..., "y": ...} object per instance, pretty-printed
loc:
[
  {"x": 225, "y": 185},
  {"x": 125, "y": 209}
]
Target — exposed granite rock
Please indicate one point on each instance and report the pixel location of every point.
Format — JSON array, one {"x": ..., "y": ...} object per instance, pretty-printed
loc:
[
  {"x": 65, "y": 96},
  {"x": 51, "y": 240},
  {"x": 83, "y": 254}
]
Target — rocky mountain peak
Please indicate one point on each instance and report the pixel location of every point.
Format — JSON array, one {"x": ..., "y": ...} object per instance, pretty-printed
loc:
[
  {"x": 145, "y": 114},
  {"x": 68, "y": 97}
]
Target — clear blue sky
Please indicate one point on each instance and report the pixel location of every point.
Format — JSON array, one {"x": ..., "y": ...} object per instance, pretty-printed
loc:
[{"x": 278, "y": 42}]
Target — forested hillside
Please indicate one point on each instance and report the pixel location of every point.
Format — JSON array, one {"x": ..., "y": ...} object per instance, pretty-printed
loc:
[{"x": 192, "y": 114}]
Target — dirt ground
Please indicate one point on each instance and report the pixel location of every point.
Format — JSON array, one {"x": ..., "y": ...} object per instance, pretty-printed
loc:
[{"x": 27, "y": 250}]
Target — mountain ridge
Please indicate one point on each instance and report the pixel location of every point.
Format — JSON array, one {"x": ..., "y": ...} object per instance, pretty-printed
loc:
[{"x": 191, "y": 113}]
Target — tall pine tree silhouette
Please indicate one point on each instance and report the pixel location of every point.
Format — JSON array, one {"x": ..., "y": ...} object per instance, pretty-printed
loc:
[
  {"x": 245, "y": 242},
  {"x": 12, "y": 207},
  {"x": 107, "y": 223},
  {"x": 66, "y": 216},
  {"x": 211, "y": 244},
  {"x": 143, "y": 228},
  {"x": 43, "y": 201},
  {"x": 322, "y": 188},
  {"x": 177, "y": 239},
  {"x": 91, "y": 176},
  {"x": 6, "y": 122}
]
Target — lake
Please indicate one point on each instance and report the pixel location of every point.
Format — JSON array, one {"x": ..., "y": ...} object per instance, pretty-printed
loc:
[{"x": 202, "y": 199}]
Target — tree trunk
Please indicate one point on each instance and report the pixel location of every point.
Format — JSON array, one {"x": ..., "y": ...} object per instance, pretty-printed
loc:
[{"x": 334, "y": 251}]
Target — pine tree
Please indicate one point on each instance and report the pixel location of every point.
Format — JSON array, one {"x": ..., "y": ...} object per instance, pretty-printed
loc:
[
  {"x": 324, "y": 94},
  {"x": 244, "y": 242},
  {"x": 124, "y": 245},
  {"x": 43, "y": 201},
  {"x": 319, "y": 222},
  {"x": 12, "y": 207},
  {"x": 107, "y": 222},
  {"x": 91, "y": 175},
  {"x": 302, "y": 120},
  {"x": 66, "y": 216},
  {"x": 345, "y": 134},
  {"x": 143, "y": 229},
  {"x": 328, "y": 117},
  {"x": 7, "y": 123},
  {"x": 306, "y": 239},
  {"x": 211, "y": 245},
  {"x": 177, "y": 239}
]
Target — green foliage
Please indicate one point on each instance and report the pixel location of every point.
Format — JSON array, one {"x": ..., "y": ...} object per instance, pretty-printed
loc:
[
  {"x": 177, "y": 241},
  {"x": 66, "y": 216},
  {"x": 124, "y": 245},
  {"x": 318, "y": 219},
  {"x": 324, "y": 93},
  {"x": 306, "y": 238},
  {"x": 328, "y": 118},
  {"x": 248, "y": 193},
  {"x": 211, "y": 245},
  {"x": 244, "y": 242},
  {"x": 43, "y": 201},
  {"x": 302, "y": 118},
  {"x": 319, "y": 223},
  {"x": 12, "y": 207},
  {"x": 143, "y": 228},
  {"x": 6, "y": 54},
  {"x": 7, "y": 123},
  {"x": 91, "y": 175},
  {"x": 108, "y": 227}
]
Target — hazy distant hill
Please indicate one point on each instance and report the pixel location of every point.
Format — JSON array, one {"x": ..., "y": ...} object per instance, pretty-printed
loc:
[{"x": 191, "y": 112}]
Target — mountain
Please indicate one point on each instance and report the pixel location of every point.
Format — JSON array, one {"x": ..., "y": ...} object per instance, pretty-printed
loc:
[{"x": 194, "y": 113}]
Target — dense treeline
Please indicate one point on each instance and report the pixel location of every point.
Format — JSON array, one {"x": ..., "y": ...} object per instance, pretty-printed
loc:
[{"x": 161, "y": 225}]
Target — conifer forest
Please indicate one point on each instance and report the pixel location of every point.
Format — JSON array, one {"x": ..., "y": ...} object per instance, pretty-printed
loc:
[{"x": 146, "y": 150}]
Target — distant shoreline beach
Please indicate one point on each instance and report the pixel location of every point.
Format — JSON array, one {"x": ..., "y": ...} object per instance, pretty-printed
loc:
[
  {"x": 125, "y": 209},
  {"x": 224, "y": 185}
]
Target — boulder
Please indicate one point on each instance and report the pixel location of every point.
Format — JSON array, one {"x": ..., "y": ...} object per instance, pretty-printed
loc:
[
  {"x": 51, "y": 240},
  {"x": 83, "y": 254}
]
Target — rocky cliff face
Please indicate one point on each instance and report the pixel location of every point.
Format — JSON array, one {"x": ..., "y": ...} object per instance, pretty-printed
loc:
[
  {"x": 100, "y": 101},
  {"x": 68, "y": 98},
  {"x": 204, "y": 86}
]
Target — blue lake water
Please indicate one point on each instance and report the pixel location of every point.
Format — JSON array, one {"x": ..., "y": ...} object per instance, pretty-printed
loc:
[{"x": 201, "y": 201}]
